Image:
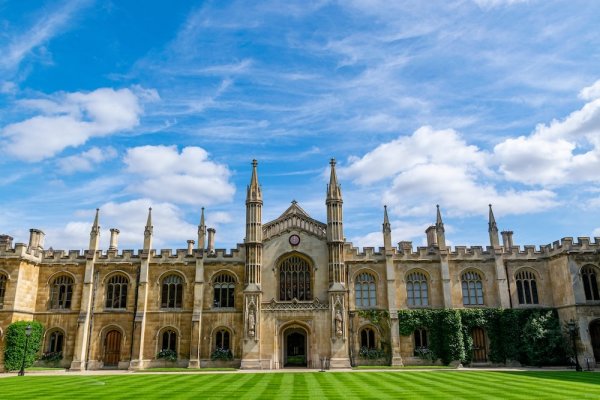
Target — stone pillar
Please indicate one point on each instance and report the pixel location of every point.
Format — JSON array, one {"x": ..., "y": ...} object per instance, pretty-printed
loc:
[
  {"x": 114, "y": 239},
  {"x": 190, "y": 247},
  {"x": 211, "y": 241}
]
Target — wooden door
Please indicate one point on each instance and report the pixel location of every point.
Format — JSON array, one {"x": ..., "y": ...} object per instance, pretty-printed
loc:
[
  {"x": 479, "y": 346},
  {"x": 112, "y": 349},
  {"x": 595, "y": 336}
]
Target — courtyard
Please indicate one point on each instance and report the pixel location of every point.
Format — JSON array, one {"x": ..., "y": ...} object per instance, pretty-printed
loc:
[{"x": 356, "y": 384}]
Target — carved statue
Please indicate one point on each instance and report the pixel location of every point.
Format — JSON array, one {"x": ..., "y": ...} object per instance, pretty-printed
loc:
[
  {"x": 338, "y": 322},
  {"x": 251, "y": 323}
]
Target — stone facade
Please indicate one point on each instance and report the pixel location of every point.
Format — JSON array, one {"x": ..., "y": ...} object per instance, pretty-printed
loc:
[{"x": 288, "y": 295}]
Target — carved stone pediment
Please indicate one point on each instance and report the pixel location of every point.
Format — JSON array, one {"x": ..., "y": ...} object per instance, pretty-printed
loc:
[{"x": 294, "y": 218}]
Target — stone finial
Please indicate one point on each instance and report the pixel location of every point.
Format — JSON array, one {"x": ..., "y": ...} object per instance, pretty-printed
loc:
[
  {"x": 148, "y": 231},
  {"x": 201, "y": 231},
  {"x": 439, "y": 229},
  {"x": 95, "y": 232},
  {"x": 493, "y": 229}
]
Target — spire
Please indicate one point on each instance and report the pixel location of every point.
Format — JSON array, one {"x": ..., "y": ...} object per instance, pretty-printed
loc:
[
  {"x": 493, "y": 229},
  {"x": 387, "y": 230},
  {"x": 201, "y": 231},
  {"x": 439, "y": 224},
  {"x": 95, "y": 232},
  {"x": 334, "y": 191},
  {"x": 254, "y": 192},
  {"x": 148, "y": 231},
  {"x": 439, "y": 230},
  {"x": 386, "y": 220}
]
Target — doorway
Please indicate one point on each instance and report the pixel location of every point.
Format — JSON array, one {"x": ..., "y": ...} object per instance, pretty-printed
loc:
[
  {"x": 595, "y": 337},
  {"x": 112, "y": 348},
  {"x": 479, "y": 345},
  {"x": 294, "y": 348}
]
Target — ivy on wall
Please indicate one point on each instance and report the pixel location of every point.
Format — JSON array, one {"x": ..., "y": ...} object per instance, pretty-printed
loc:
[
  {"x": 530, "y": 336},
  {"x": 15, "y": 344},
  {"x": 381, "y": 320}
]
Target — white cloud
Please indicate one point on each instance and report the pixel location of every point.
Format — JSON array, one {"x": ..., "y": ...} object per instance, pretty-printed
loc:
[
  {"x": 188, "y": 177},
  {"x": 424, "y": 146},
  {"x": 86, "y": 160},
  {"x": 441, "y": 167},
  {"x": 591, "y": 92},
  {"x": 130, "y": 218},
  {"x": 566, "y": 151},
  {"x": 70, "y": 119}
]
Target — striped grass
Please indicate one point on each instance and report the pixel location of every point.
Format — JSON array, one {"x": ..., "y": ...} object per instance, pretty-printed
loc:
[{"x": 443, "y": 384}]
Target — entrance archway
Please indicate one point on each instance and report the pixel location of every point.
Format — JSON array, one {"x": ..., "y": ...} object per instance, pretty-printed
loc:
[
  {"x": 295, "y": 347},
  {"x": 595, "y": 337},
  {"x": 112, "y": 348}
]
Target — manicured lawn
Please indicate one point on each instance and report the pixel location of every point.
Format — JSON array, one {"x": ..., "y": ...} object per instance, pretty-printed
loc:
[{"x": 329, "y": 385}]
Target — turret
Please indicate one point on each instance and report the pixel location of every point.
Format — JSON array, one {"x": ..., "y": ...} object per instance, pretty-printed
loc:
[
  {"x": 95, "y": 233},
  {"x": 493, "y": 229},
  {"x": 148, "y": 231},
  {"x": 253, "y": 229},
  {"x": 335, "y": 230}
]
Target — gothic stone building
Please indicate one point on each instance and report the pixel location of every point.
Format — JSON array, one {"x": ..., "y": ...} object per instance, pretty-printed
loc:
[{"x": 288, "y": 295}]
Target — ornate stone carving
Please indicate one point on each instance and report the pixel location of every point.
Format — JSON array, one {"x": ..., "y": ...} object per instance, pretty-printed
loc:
[{"x": 295, "y": 305}]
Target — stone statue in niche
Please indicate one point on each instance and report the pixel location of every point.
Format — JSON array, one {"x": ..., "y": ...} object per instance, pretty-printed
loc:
[
  {"x": 251, "y": 323},
  {"x": 338, "y": 322}
]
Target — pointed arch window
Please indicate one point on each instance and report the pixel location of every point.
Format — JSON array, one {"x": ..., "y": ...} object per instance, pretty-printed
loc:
[
  {"x": 61, "y": 292},
  {"x": 527, "y": 287},
  {"x": 169, "y": 340},
  {"x": 3, "y": 280},
  {"x": 294, "y": 279},
  {"x": 172, "y": 291},
  {"x": 472, "y": 289},
  {"x": 224, "y": 291},
  {"x": 365, "y": 290},
  {"x": 223, "y": 339},
  {"x": 116, "y": 292},
  {"x": 417, "y": 292},
  {"x": 367, "y": 338},
  {"x": 589, "y": 275},
  {"x": 55, "y": 342},
  {"x": 421, "y": 342}
]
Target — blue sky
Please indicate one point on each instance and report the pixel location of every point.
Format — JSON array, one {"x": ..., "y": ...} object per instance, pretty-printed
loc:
[{"x": 124, "y": 105}]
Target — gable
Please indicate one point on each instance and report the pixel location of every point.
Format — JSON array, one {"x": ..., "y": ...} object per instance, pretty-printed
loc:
[{"x": 294, "y": 218}]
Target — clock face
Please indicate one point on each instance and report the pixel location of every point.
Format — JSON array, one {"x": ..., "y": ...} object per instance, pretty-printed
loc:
[{"x": 294, "y": 240}]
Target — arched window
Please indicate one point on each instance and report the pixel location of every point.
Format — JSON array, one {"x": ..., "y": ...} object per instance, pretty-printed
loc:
[
  {"x": 55, "y": 342},
  {"x": 222, "y": 339},
  {"x": 366, "y": 290},
  {"x": 527, "y": 287},
  {"x": 61, "y": 292},
  {"x": 472, "y": 289},
  {"x": 169, "y": 340},
  {"x": 367, "y": 338},
  {"x": 590, "y": 282},
  {"x": 421, "y": 342},
  {"x": 116, "y": 292},
  {"x": 294, "y": 279},
  {"x": 224, "y": 291},
  {"x": 172, "y": 292},
  {"x": 416, "y": 289},
  {"x": 3, "y": 280}
]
